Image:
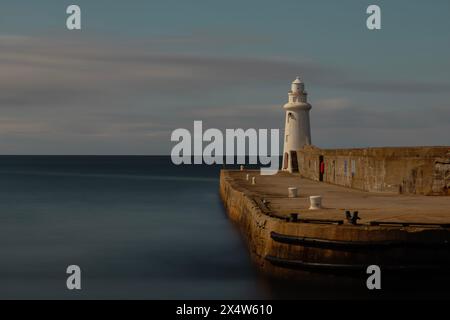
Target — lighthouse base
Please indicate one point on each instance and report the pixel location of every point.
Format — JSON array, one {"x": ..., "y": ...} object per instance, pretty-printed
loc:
[{"x": 290, "y": 162}]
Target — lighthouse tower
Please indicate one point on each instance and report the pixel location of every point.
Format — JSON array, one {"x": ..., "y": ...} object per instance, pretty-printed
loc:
[{"x": 297, "y": 131}]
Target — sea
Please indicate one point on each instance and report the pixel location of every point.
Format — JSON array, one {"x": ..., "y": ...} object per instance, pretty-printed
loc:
[{"x": 138, "y": 227}]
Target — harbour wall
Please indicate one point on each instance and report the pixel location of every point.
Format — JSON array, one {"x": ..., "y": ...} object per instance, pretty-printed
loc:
[
  {"x": 399, "y": 170},
  {"x": 257, "y": 223}
]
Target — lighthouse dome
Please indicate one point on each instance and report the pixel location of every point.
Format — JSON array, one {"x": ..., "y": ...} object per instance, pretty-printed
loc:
[{"x": 297, "y": 80}]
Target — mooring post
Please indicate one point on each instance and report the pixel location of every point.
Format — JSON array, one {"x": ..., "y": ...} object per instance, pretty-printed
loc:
[
  {"x": 292, "y": 192},
  {"x": 316, "y": 202}
]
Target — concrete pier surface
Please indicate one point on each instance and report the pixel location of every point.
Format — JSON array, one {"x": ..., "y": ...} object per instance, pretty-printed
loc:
[
  {"x": 336, "y": 199},
  {"x": 397, "y": 232}
]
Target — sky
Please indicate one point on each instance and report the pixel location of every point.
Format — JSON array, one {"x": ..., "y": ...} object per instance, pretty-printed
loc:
[{"x": 140, "y": 69}]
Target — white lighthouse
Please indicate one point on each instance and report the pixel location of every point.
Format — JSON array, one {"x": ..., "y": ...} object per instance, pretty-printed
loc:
[{"x": 297, "y": 130}]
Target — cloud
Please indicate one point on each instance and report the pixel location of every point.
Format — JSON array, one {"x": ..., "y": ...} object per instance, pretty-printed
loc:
[
  {"x": 18, "y": 126},
  {"x": 246, "y": 111},
  {"x": 344, "y": 113},
  {"x": 394, "y": 86},
  {"x": 332, "y": 104},
  {"x": 48, "y": 71},
  {"x": 66, "y": 90}
]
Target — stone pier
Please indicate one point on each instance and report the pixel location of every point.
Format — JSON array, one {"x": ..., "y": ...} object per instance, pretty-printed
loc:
[{"x": 396, "y": 232}]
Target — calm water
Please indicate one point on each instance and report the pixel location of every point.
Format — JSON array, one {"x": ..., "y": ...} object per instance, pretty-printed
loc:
[{"x": 139, "y": 227}]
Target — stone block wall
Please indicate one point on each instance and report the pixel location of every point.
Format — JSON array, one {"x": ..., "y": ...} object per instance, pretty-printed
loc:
[{"x": 406, "y": 170}]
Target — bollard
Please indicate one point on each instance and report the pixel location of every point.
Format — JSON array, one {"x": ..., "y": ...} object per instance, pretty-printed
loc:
[
  {"x": 242, "y": 168},
  {"x": 247, "y": 177},
  {"x": 292, "y": 192},
  {"x": 253, "y": 180},
  {"x": 316, "y": 202},
  {"x": 352, "y": 219}
]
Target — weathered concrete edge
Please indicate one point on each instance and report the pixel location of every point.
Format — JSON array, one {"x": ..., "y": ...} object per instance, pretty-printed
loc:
[
  {"x": 244, "y": 212},
  {"x": 257, "y": 226}
]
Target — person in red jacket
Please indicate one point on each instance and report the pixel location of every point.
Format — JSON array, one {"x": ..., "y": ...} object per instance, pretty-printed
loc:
[{"x": 322, "y": 170}]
